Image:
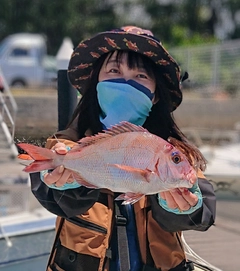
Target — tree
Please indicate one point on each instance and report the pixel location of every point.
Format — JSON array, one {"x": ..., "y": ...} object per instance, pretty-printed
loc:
[
  {"x": 56, "y": 18},
  {"x": 176, "y": 22}
]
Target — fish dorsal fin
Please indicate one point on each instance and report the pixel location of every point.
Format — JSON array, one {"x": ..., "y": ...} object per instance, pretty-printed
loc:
[
  {"x": 122, "y": 127},
  {"x": 125, "y": 127}
]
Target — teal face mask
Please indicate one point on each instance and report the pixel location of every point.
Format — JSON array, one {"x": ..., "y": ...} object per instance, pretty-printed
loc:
[{"x": 122, "y": 100}]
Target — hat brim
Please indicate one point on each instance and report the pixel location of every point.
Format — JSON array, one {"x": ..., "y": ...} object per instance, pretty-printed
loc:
[{"x": 90, "y": 50}]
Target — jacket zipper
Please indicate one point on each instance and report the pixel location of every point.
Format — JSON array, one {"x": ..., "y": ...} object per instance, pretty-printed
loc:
[{"x": 86, "y": 224}]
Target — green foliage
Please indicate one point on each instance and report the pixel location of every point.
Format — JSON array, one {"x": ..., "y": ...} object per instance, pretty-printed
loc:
[
  {"x": 176, "y": 23},
  {"x": 181, "y": 36},
  {"x": 56, "y": 19}
]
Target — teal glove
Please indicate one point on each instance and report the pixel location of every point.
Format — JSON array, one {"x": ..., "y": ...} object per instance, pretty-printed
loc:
[
  {"x": 195, "y": 190},
  {"x": 66, "y": 186}
]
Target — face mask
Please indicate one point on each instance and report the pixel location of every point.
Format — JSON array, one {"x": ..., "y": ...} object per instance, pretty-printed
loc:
[{"x": 122, "y": 100}]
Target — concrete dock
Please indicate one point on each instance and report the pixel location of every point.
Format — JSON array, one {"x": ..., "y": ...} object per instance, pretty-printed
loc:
[{"x": 220, "y": 245}]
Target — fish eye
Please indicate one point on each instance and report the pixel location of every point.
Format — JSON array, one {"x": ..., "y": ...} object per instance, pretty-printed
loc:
[{"x": 176, "y": 159}]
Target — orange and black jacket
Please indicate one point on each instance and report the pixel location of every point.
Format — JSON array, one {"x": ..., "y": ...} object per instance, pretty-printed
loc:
[{"x": 86, "y": 222}]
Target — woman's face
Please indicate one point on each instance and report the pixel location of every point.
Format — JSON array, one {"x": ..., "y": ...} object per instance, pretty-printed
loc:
[{"x": 113, "y": 69}]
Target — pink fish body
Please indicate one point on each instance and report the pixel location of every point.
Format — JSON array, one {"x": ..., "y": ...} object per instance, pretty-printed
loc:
[{"x": 126, "y": 159}]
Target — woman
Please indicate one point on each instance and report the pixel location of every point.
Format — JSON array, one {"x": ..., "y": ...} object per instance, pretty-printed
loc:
[{"x": 123, "y": 75}]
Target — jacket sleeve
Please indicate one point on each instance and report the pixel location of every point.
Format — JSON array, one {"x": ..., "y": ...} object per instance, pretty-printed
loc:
[
  {"x": 199, "y": 220},
  {"x": 65, "y": 203}
]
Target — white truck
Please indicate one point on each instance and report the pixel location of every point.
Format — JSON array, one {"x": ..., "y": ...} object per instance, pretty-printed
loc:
[{"x": 24, "y": 61}]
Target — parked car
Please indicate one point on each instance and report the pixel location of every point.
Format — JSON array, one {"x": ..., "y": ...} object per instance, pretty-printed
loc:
[{"x": 25, "y": 63}]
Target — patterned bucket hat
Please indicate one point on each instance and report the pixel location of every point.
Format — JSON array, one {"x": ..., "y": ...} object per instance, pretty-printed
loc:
[{"x": 126, "y": 38}]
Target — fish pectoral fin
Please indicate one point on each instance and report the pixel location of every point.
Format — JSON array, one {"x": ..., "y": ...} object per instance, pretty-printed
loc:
[
  {"x": 145, "y": 173},
  {"x": 129, "y": 197},
  {"x": 83, "y": 182}
]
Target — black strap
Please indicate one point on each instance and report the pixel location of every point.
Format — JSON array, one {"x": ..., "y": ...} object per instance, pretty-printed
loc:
[
  {"x": 123, "y": 251},
  {"x": 55, "y": 241}
]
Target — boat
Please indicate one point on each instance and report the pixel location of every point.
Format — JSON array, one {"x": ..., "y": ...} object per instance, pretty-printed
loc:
[
  {"x": 25, "y": 240},
  {"x": 26, "y": 228}
]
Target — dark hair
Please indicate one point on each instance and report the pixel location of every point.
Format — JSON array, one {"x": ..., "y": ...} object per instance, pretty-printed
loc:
[{"x": 160, "y": 120}]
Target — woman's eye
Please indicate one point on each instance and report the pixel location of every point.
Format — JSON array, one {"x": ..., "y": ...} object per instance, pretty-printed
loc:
[
  {"x": 176, "y": 159},
  {"x": 141, "y": 75},
  {"x": 113, "y": 70}
]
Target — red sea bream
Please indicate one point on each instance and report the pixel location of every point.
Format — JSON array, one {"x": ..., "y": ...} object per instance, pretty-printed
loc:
[{"x": 125, "y": 158}]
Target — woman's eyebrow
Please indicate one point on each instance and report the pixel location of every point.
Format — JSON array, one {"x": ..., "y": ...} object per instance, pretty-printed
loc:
[
  {"x": 141, "y": 68},
  {"x": 112, "y": 60}
]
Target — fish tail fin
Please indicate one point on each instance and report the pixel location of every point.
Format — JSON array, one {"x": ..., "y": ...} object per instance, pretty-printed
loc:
[
  {"x": 37, "y": 166},
  {"x": 24, "y": 156},
  {"x": 36, "y": 152},
  {"x": 43, "y": 158}
]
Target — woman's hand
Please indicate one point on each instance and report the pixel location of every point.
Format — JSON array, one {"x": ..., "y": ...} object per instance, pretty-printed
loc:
[
  {"x": 59, "y": 176},
  {"x": 180, "y": 198}
]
